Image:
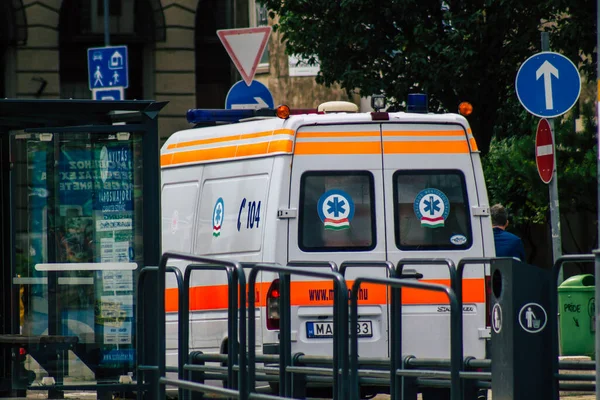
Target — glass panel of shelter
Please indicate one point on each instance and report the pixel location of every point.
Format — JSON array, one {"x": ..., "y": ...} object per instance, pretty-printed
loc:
[{"x": 78, "y": 229}]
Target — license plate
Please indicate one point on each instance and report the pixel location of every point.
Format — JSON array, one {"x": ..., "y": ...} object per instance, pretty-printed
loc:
[{"x": 322, "y": 330}]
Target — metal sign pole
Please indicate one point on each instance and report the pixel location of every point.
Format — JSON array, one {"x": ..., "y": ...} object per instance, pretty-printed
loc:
[
  {"x": 553, "y": 186},
  {"x": 597, "y": 251},
  {"x": 106, "y": 23}
]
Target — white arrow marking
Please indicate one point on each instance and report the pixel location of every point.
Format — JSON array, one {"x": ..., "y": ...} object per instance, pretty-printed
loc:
[
  {"x": 545, "y": 150},
  {"x": 546, "y": 70},
  {"x": 260, "y": 103}
]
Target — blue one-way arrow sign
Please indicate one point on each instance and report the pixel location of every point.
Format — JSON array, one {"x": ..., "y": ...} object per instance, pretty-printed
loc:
[
  {"x": 255, "y": 96},
  {"x": 548, "y": 84}
]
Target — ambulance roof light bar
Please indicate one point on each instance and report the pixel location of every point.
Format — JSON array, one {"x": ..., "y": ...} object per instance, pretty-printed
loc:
[
  {"x": 417, "y": 103},
  {"x": 212, "y": 116},
  {"x": 337, "y": 107}
]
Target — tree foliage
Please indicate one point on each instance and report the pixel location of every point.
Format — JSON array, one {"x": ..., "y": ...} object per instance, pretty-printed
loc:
[
  {"x": 453, "y": 50},
  {"x": 512, "y": 178}
]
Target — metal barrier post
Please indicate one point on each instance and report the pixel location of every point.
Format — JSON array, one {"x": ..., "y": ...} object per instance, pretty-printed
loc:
[
  {"x": 455, "y": 329},
  {"x": 298, "y": 379},
  {"x": 461, "y": 268},
  {"x": 181, "y": 356},
  {"x": 553, "y": 303},
  {"x": 161, "y": 319},
  {"x": 141, "y": 342},
  {"x": 141, "y": 355},
  {"x": 395, "y": 336},
  {"x": 340, "y": 330},
  {"x": 339, "y": 346},
  {"x": 406, "y": 386},
  {"x": 389, "y": 267},
  {"x": 232, "y": 314},
  {"x": 285, "y": 338},
  {"x": 456, "y": 334},
  {"x": 196, "y": 376}
]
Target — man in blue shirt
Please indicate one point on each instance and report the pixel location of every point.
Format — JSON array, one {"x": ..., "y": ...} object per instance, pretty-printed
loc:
[{"x": 507, "y": 244}]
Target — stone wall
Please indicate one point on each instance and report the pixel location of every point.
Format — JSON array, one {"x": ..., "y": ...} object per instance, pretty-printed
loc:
[{"x": 169, "y": 66}]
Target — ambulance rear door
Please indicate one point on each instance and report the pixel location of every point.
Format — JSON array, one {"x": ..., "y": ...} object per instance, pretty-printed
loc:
[
  {"x": 337, "y": 189},
  {"x": 430, "y": 194}
]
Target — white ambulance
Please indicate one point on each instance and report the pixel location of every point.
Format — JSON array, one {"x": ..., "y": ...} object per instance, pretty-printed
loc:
[{"x": 333, "y": 185}]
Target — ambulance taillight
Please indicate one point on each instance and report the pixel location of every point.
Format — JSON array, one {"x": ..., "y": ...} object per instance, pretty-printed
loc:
[
  {"x": 273, "y": 305},
  {"x": 488, "y": 301}
]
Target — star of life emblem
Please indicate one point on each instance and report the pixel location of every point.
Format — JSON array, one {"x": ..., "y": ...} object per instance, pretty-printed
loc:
[
  {"x": 218, "y": 216},
  {"x": 432, "y": 208},
  {"x": 336, "y": 209}
]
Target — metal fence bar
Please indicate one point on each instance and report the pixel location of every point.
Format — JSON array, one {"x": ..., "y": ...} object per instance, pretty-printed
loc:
[
  {"x": 232, "y": 313},
  {"x": 390, "y": 272},
  {"x": 141, "y": 299},
  {"x": 161, "y": 317},
  {"x": 456, "y": 344},
  {"x": 390, "y": 268},
  {"x": 141, "y": 369},
  {"x": 199, "y": 387},
  {"x": 285, "y": 336},
  {"x": 455, "y": 331},
  {"x": 314, "y": 264},
  {"x": 340, "y": 330},
  {"x": 339, "y": 346},
  {"x": 460, "y": 268}
]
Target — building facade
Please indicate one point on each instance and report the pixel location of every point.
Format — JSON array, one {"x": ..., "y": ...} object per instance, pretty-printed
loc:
[{"x": 174, "y": 53}]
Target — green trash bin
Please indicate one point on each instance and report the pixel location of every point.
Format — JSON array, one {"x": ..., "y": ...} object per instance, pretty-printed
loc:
[{"x": 576, "y": 307}]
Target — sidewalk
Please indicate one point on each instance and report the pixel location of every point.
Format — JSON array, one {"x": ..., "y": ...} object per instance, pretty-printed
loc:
[{"x": 92, "y": 396}]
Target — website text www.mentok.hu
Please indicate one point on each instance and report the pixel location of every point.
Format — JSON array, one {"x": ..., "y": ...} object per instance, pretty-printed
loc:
[{"x": 327, "y": 294}]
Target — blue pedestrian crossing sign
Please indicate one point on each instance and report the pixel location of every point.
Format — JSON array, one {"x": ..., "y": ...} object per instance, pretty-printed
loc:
[
  {"x": 253, "y": 97},
  {"x": 548, "y": 84},
  {"x": 107, "y": 67}
]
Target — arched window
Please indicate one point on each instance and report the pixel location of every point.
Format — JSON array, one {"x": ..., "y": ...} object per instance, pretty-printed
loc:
[{"x": 213, "y": 66}]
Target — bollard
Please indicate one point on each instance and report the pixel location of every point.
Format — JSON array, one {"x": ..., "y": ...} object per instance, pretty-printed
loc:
[
  {"x": 410, "y": 390},
  {"x": 298, "y": 379},
  {"x": 521, "y": 331},
  {"x": 196, "y": 376}
]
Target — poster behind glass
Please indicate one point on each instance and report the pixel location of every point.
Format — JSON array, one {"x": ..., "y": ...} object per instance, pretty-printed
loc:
[{"x": 83, "y": 204}]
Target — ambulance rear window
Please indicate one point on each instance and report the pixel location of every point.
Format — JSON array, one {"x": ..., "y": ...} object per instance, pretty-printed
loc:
[
  {"x": 431, "y": 210},
  {"x": 337, "y": 211}
]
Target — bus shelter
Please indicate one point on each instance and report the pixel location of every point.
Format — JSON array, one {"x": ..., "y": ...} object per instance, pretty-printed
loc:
[{"x": 79, "y": 217}]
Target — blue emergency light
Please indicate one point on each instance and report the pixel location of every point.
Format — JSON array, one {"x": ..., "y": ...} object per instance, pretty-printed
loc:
[
  {"x": 417, "y": 103},
  {"x": 203, "y": 116},
  {"x": 197, "y": 116}
]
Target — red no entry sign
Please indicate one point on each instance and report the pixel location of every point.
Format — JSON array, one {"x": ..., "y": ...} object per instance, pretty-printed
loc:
[{"x": 544, "y": 151}]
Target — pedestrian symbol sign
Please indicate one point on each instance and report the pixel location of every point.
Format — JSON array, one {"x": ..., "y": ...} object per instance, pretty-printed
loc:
[
  {"x": 497, "y": 318},
  {"x": 108, "y": 67},
  {"x": 533, "y": 318}
]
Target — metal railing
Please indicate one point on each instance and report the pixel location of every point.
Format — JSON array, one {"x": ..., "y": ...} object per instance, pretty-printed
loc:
[{"x": 344, "y": 372}]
